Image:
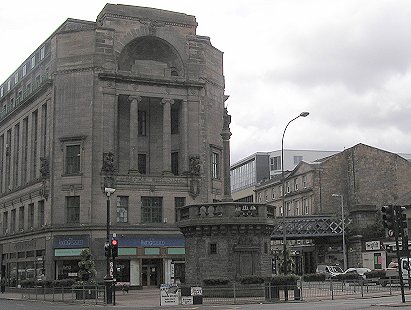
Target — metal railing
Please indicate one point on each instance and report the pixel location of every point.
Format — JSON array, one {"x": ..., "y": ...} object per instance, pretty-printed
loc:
[
  {"x": 307, "y": 291},
  {"x": 80, "y": 294}
]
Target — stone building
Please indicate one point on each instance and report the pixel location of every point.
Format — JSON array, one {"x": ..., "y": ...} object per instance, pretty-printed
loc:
[
  {"x": 134, "y": 101},
  {"x": 366, "y": 177}
]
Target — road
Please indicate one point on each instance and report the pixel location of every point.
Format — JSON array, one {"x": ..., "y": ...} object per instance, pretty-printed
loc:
[{"x": 392, "y": 302}]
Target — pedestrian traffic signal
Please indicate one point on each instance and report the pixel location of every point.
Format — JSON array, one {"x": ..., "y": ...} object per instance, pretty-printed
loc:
[
  {"x": 107, "y": 250},
  {"x": 388, "y": 219},
  {"x": 114, "y": 248}
]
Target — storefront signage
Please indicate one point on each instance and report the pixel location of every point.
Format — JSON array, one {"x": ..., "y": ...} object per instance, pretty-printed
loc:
[
  {"x": 150, "y": 180},
  {"x": 169, "y": 295},
  {"x": 71, "y": 242},
  {"x": 67, "y": 252},
  {"x": 372, "y": 245},
  {"x": 147, "y": 241}
]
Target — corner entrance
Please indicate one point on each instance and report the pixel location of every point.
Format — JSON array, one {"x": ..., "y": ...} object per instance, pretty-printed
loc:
[{"x": 151, "y": 272}]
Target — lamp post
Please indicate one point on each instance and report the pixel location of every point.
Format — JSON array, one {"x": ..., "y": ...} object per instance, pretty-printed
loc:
[
  {"x": 285, "y": 269},
  {"x": 108, "y": 278},
  {"x": 343, "y": 229}
]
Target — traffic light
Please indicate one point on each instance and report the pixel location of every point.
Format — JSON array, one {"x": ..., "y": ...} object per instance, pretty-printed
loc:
[
  {"x": 114, "y": 247},
  {"x": 107, "y": 250},
  {"x": 388, "y": 219}
]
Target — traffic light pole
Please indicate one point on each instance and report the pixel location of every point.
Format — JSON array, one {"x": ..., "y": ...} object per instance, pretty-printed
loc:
[
  {"x": 108, "y": 279},
  {"x": 396, "y": 233}
]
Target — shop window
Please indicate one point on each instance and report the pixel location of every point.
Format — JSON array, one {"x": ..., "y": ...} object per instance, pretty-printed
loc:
[
  {"x": 73, "y": 209},
  {"x": 122, "y": 209},
  {"x": 152, "y": 209}
]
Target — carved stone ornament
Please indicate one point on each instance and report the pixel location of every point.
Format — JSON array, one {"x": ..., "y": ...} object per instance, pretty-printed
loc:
[
  {"x": 194, "y": 188},
  {"x": 226, "y": 119},
  {"x": 195, "y": 166},
  {"x": 108, "y": 163},
  {"x": 44, "y": 167}
]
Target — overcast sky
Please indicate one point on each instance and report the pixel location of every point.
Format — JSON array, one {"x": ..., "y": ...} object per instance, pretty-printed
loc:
[{"x": 346, "y": 62}]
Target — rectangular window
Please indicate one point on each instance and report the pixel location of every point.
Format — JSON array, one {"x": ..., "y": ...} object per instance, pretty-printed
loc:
[
  {"x": 24, "y": 149},
  {"x": 142, "y": 123},
  {"x": 21, "y": 218},
  {"x": 297, "y": 159},
  {"x": 1, "y": 161},
  {"x": 273, "y": 193},
  {"x": 296, "y": 184},
  {"x": 288, "y": 208},
  {"x": 213, "y": 248},
  {"x": 152, "y": 209},
  {"x": 24, "y": 70},
  {"x": 13, "y": 221},
  {"x": 40, "y": 211},
  {"x": 44, "y": 129},
  {"x": 306, "y": 206},
  {"x": 266, "y": 195},
  {"x": 72, "y": 159},
  {"x": 122, "y": 209},
  {"x": 8, "y": 85},
  {"x": 30, "y": 219},
  {"x": 8, "y": 161},
  {"x": 34, "y": 136},
  {"x": 304, "y": 181},
  {"x": 33, "y": 61},
  {"x": 5, "y": 222},
  {"x": 73, "y": 209},
  {"x": 174, "y": 163},
  {"x": 275, "y": 163},
  {"x": 296, "y": 207},
  {"x": 16, "y": 154},
  {"x": 215, "y": 165},
  {"x": 1, "y": 92},
  {"x": 174, "y": 120},
  {"x": 179, "y": 202},
  {"x": 16, "y": 78},
  {"x": 142, "y": 163},
  {"x": 287, "y": 186},
  {"x": 42, "y": 52}
]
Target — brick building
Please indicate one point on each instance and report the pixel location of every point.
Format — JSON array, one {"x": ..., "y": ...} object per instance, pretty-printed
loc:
[
  {"x": 366, "y": 177},
  {"x": 136, "y": 97}
]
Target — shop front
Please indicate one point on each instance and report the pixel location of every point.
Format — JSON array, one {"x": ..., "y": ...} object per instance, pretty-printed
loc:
[
  {"x": 150, "y": 260},
  {"x": 67, "y": 251}
]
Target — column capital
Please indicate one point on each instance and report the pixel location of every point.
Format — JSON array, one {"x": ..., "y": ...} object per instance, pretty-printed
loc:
[
  {"x": 167, "y": 101},
  {"x": 134, "y": 98}
]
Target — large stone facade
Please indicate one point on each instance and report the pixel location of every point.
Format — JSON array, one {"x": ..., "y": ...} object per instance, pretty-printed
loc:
[
  {"x": 136, "y": 96},
  {"x": 366, "y": 177}
]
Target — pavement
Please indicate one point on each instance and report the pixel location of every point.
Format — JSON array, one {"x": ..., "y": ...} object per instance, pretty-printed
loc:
[{"x": 146, "y": 298}]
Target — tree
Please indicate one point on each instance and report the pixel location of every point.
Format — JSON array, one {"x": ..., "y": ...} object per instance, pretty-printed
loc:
[{"x": 87, "y": 270}]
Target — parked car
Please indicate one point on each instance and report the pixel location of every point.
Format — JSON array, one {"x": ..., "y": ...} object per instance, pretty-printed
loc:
[
  {"x": 329, "y": 271},
  {"x": 360, "y": 272}
]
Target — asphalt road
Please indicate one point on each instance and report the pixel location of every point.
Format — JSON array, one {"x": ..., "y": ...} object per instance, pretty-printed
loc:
[{"x": 392, "y": 302}]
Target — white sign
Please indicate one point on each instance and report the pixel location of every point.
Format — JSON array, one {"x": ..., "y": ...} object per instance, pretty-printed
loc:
[
  {"x": 196, "y": 291},
  {"x": 372, "y": 245},
  {"x": 186, "y": 300},
  {"x": 169, "y": 295}
]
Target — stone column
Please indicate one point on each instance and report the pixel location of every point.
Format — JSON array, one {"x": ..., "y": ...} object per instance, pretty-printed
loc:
[
  {"x": 134, "y": 100},
  {"x": 166, "y": 102},
  {"x": 226, "y": 134},
  {"x": 184, "y": 135}
]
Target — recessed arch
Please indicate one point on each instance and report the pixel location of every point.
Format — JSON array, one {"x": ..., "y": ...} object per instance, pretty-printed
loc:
[{"x": 151, "y": 55}]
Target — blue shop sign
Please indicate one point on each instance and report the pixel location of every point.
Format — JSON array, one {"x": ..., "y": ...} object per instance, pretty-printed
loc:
[
  {"x": 71, "y": 242},
  {"x": 151, "y": 241}
]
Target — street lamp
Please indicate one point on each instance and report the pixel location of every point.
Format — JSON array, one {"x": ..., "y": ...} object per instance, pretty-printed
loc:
[
  {"x": 343, "y": 228},
  {"x": 285, "y": 269},
  {"x": 108, "y": 278}
]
